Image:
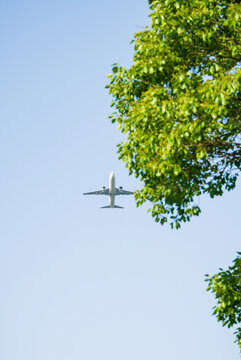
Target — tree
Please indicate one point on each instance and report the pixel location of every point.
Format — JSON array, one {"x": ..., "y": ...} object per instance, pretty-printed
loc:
[
  {"x": 179, "y": 105},
  {"x": 226, "y": 285}
]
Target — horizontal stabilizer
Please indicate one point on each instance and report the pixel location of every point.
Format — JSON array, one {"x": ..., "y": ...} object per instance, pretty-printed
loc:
[{"x": 115, "y": 206}]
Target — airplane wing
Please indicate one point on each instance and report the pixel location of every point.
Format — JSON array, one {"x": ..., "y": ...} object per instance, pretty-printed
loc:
[
  {"x": 123, "y": 192},
  {"x": 98, "y": 192}
]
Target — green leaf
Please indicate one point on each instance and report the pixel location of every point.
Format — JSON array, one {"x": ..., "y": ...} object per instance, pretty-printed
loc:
[{"x": 178, "y": 105}]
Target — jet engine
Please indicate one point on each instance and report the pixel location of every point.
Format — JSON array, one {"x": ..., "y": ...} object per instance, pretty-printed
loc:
[{"x": 120, "y": 188}]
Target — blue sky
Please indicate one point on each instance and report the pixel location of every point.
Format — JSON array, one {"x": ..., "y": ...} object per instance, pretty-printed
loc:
[{"x": 78, "y": 282}]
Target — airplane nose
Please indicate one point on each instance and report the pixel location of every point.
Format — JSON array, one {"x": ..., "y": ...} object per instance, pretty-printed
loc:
[{"x": 112, "y": 176}]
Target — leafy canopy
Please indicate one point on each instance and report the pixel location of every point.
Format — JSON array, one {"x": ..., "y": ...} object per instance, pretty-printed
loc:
[
  {"x": 179, "y": 105},
  {"x": 226, "y": 285}
]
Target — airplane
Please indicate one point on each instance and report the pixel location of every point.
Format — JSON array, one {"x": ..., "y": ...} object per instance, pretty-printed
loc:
[{"x": 112, "y": 191}]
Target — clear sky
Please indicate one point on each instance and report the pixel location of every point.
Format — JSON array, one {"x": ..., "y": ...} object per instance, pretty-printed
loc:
[{"x": 78, "y": 282}]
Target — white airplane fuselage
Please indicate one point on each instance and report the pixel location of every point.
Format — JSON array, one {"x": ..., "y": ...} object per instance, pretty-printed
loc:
[{"x": 112, "y": 191}]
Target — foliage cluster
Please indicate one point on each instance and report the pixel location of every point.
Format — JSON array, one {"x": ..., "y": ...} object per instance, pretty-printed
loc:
[
  {"x": 226, "y": 285},
  {"x": 179, "y": 105}
]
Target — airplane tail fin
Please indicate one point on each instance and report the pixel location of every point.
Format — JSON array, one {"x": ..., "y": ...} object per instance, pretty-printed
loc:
[{"x": 115, "y": 206}]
